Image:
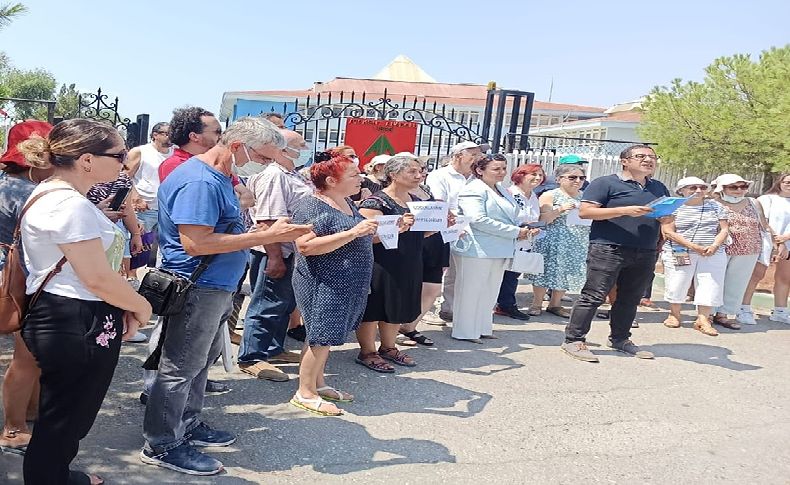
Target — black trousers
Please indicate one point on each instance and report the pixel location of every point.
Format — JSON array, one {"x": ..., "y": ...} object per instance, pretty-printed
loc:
[
  {"x": 632, "y": 269},
  {"x": 76, "y": 344}
]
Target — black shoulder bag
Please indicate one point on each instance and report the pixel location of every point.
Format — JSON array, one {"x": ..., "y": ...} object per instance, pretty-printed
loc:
[{"x": 167, "y": 292}]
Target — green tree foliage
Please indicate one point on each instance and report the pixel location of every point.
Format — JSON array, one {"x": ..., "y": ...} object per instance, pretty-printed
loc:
[
  {"x": 10, "y": 10},
  {"x": 34, "y": 84},
  {"x": 68, "y": 102},
  {"x": 736, "y": 120}
]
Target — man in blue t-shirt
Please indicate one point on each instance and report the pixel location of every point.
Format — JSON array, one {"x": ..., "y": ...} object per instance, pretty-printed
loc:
[
  {"x": 623, "y": 245},
  {"x": 198, "y": 216}
]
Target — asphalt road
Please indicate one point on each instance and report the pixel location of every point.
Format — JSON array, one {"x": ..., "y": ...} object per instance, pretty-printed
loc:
[{"x": 514, "y": 410}]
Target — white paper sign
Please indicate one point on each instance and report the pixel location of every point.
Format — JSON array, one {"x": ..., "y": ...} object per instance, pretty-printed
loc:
[
  {"x": 573, "y": 219},
  {"x": 452, "y": 233},
  {"x": 387, "y": 230},
  {"x": 429, "y": 216}
]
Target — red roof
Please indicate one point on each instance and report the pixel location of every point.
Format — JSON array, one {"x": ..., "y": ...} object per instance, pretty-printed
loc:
[{"x": 452, "y": 94}]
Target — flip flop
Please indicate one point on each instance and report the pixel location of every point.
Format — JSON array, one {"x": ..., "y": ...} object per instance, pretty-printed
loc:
[
  {"x": 303, "y": 403},
  {"x": 340, "y": 394}
]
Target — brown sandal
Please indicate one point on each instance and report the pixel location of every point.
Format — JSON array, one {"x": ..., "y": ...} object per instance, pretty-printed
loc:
[
  {"x": 396, "y": 356},
  {"x": 672, "y": 322},
  {"x": 726, "y": 323},
  {"x": 374, "y": 362},
  {"x": 705, "y": 327},
  {"x": 559, "y": 311}
]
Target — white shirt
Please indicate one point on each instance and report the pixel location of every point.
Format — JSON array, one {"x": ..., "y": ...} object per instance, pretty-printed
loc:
[
  {"x": 64, "y": 217},
  {"x": 530, "y": 207},
  {"x": 445, "y": 184},
  {"x": 777, "y": 211},
  {"x": 146, "y": 179}
]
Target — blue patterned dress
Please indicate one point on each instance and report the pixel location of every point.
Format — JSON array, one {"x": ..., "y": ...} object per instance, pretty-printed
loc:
[
  {"x": 564, "y": 250},
  {"x": 332, "y": 289}
]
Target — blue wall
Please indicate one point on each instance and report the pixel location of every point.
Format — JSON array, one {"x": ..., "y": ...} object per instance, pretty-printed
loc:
[{"x": 247, "y": 107}]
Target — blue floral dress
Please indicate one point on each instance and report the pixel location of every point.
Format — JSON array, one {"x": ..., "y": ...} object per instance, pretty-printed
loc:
[{"x": 564, "y": 250}]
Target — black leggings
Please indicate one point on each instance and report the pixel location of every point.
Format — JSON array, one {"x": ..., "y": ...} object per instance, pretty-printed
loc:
[{"x": 76, "y": 344}]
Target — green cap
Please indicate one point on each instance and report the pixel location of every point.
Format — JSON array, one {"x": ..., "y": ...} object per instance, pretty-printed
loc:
[{"x": 571, "y": 159}]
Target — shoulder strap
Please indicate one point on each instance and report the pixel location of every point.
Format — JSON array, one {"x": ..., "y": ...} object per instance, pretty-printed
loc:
[
  {"x": 18, "y": 228},
  {"x": 206, "y": 260}
]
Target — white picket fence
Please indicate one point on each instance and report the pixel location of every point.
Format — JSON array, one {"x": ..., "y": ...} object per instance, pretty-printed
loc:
[{"x": 600, "y": 165}]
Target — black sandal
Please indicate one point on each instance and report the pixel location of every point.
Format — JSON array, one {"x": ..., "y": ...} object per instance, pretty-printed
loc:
[
  {"x": 376, "y": 365},
  {"x": 418, "y": 337},
  {"x": 398, "y": 358}
]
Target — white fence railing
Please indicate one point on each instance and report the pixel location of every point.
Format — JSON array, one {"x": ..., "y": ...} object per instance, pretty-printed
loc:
[{"x": 609, "y": 164}]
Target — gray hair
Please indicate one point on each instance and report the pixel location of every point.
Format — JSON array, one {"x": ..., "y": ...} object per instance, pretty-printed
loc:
[
  {"x": 397, "y": 164},
  {"x": 566, "y": 168},
  {"x": 253, "y": 132}
]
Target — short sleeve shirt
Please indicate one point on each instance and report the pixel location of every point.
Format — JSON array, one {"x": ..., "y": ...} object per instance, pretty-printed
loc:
[
  {"x": 100, "y": 192},
  {"x": 14, "y": 191},
  {"x": 197, "y": 194},
  {"x": 634, "y": 232},
  {"x": 698, "y": 224},
  {"x": 277, "y": 192},
  {"x": 445, "y": 184}
]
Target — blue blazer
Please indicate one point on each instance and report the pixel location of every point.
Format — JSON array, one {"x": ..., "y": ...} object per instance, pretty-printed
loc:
[{"x": 494, "y": 227}]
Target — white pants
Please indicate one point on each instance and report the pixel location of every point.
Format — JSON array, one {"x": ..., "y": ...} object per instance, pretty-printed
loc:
[
  {"x": 477, "y": 282},
  {"x": 739, "y": 272},
  {"x": 706, "y": 272},
  {"x": 448, "y": 288}
]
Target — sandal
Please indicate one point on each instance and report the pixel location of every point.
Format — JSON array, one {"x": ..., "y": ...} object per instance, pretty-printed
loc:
[
  {"x": 84, "y": 478},
  {"x": 305, "y": 404},
  {"x": 417, "y": 337},
  {"x": 559, "y": 311},
  {"x": 331, "y": 394},
  {"x": 405, "y": 341},
  {"x": 705, "y": 327},
  {"x": 7, "y": 444},
  {"x": 374, "y": 362},
  {"x": 672, "y": 322},
  {"x": 398, "y": 357},
  {"x": 726, "y": 323},
  {"x": 535, "y": 311}
]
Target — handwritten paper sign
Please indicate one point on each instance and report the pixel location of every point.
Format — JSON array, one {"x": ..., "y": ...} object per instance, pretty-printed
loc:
[
  {"x": 452, "y": 233},
  {"x": 387, "y": 231},
  {"x": 429, "y": 216},
  {"x": 573, "y": 219}
]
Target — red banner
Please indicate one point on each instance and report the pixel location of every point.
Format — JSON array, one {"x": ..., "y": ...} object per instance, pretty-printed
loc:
[{"x": 375, "y": 137}]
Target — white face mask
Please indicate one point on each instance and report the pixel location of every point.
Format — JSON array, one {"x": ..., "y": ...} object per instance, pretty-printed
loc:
[
  {"x": 300, "y": 161},
  {"x": 732, "y": 199}
]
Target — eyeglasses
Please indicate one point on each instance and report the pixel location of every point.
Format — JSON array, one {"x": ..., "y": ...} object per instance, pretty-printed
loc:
[
  {"x": 737, "y": 187},
  {"x": 574, "y": 178},
  {"x": 696, "y": 187},
  {"x": 166, "y": 133},
  {"x": 121, "y": 157},
  {"x": 643, "y": 156},
  {"x": 259, "y": 154}
]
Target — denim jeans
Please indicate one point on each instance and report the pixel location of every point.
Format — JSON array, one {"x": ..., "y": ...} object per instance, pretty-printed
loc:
[
  {"x": 150, "y": 221},
  {"x": 271, "y": 303},
  {"x": 192, "y": 343},
  {"x": 507, "y": 290},
  {"x": 631, "y": 269}
]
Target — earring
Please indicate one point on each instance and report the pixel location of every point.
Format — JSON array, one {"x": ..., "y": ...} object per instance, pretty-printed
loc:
[{"x": 86, "y": 168}]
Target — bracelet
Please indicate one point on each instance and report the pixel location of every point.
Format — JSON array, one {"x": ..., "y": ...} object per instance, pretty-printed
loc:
[{"x": 135, "y": 233}]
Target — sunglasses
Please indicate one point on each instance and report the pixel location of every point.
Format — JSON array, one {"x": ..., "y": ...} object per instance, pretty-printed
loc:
[
  {"x": 737, "y": 187},
  {"x": 575, "y": 177},
  {"x": 121, "y": 157},
  {"x": 696, "y": 187}
]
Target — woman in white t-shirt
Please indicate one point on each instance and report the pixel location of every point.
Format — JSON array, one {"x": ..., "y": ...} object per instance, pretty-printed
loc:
[
  {"x": 775, "y": 205},
  {"x": 75, "y": 328}
]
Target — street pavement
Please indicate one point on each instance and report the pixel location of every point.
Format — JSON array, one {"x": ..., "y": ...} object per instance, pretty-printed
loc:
[{"x": 513, "y": 410}]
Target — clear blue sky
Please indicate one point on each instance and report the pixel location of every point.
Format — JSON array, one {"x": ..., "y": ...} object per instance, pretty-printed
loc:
[{"x": 157, "y": 55}]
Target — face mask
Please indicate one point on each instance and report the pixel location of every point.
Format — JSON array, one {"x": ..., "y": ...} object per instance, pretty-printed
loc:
[
  {"x": 302, "y": 160},
  {"x": 732, "y": 199}
]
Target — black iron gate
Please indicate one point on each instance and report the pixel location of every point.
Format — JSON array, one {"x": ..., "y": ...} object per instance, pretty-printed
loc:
[
  {"x": 95, "y": 106},
  {"x": 321, "y": 120}
]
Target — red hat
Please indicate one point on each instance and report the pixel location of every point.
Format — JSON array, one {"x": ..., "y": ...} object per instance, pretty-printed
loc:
[{"x": 19, "y": 133}]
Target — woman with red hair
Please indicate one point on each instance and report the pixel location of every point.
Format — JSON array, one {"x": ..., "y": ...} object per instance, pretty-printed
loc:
[
  {"x": 525, "y": 178},
  {"x": 331, "y": 277}
]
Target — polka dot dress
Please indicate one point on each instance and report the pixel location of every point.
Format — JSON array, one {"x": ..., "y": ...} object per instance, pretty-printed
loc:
[{"x": 332, "y": 289}]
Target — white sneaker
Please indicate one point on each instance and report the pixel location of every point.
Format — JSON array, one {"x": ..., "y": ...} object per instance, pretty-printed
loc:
[
  {"x": 780, "y": 317},
  {"x": 745, "y": 318},
  {"x": 138, "y": 338}
]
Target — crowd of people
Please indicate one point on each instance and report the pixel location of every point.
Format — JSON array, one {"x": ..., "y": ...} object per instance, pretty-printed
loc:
[{"x": 254, "y": 202}]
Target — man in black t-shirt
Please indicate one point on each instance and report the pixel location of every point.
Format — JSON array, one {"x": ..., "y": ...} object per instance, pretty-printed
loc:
[{"x": 623, "y": 242}]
